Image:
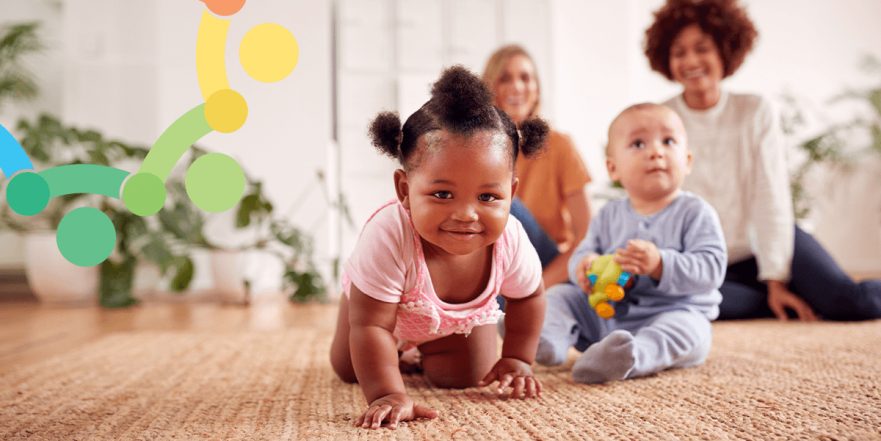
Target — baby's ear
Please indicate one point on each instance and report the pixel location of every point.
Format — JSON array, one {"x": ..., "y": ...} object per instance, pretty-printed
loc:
[
  {"x": 402, "y": 188},
  {"x": 514, "y": 185},
  {"x": 611, "y": 169},
  {"x": 689, "y": 159}
]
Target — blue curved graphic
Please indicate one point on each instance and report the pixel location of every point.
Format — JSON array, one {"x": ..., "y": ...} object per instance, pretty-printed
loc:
[{"x": 12, "y": 156}]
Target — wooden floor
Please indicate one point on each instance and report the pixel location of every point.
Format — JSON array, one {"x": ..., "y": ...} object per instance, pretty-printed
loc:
[{"x": 31, "y": 332}]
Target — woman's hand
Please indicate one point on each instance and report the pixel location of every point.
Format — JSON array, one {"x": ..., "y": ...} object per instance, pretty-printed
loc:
[
  {"x": 581, "y": 271},
  {"x": 393, "y": 408},
  {"x": 780, "y": 299},
  {"x": 516, "y": 374}
]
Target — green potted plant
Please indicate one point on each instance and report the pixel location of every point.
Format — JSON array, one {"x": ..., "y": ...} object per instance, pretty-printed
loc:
[
  {"x": 50, "y": 143},
  {"x": 18, "y": 41},
  {"x": 840, "y": 144},
  {"x": 275, "y": 236},
  {"x": 165, "y": 240}
]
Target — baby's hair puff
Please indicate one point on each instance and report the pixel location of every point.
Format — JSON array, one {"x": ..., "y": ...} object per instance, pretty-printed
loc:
[
  {"x": 533, "y": 132},
  {"x": 385, "y": 132},
  {"x": 460, "y": 103}
]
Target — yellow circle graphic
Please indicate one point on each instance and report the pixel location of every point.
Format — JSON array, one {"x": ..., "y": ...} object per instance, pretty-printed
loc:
[
  {"x": 226, "y": 111},
  {"x": 268, "y": 52}
]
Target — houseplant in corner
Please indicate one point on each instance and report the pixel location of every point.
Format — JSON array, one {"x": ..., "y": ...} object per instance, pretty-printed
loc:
[
  {"x": 839, "y": 145},
  {"x": 18, "y": 41},
  {"x": 270, "y": 235},
  {"x": 50, "y": 143},
  {"x": 836, "y": 160}
]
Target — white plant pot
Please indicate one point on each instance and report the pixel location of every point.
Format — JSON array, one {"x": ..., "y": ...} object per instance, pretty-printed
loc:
[
  {"x": 147, "y": 278},
  {"x": 52, "y": 278},
  {"x": 228, "y": 269}
]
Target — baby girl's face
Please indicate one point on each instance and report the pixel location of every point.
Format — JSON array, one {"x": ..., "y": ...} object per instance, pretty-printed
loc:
[
  {"x": 648, "y": 152},
  {"x": 459, "y": 192}
]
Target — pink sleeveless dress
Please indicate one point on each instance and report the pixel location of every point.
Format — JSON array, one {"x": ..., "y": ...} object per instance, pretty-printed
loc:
[{"x": 388, "y": 265}]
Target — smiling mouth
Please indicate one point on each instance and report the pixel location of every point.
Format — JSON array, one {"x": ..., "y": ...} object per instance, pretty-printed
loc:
[
  {"x": 462, "y": 235},
  {"x": 693, "y": 75}
]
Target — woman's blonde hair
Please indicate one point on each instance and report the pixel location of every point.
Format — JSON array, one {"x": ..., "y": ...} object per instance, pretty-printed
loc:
[{"x": 496, "y": 64}]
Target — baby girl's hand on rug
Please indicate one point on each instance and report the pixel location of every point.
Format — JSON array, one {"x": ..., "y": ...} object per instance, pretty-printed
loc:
[
  {"x": 393, "y": 408},
  {"x": 581, "y": 270},
  {"x": 640, "y": 257},
  {"x": 515, "y": 373}
]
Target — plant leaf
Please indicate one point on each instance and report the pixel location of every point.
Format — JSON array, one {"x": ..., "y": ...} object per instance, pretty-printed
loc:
[
  {"x": 183, "y": 273},
  {"x": 116, "y": 284}
]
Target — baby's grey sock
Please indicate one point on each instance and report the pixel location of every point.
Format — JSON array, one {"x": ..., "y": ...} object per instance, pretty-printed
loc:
[{"x": 611, "y": 358}]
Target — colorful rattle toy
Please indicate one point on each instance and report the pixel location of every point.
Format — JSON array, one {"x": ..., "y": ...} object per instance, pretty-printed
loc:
[{"x": 607, "y": 283}]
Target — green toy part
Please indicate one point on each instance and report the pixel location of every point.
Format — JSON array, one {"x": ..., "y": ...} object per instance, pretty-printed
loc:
[{"x": 607, "y": 284}]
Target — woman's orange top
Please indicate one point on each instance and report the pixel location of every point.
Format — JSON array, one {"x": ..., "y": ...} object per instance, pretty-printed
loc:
[{"x": 547, "y": 179}]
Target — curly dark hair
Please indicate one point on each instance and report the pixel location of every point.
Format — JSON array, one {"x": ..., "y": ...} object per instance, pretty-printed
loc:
[
  {"x": 724, "y": 20},
  {"x": 462, "y": 104}
]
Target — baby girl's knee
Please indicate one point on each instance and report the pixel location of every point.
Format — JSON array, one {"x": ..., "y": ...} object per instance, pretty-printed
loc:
[
  {"x": 342, "y": 366},
  {"x": 452, "y": 380}
]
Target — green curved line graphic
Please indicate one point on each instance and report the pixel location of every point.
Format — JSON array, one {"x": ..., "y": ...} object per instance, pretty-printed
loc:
[
  {"x": 174, "y": 142},
  {"x": 84, "y": 178}
]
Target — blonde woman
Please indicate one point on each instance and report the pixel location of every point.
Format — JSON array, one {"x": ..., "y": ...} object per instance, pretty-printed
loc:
[{"x": 551, "y": 200}]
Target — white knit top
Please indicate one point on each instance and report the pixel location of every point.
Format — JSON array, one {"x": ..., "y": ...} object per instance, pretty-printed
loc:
[{"x": 740, "y": 169}]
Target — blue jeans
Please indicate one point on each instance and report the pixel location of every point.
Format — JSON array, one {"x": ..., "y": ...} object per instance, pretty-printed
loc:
[
  {"x": 545, "y": 246},
  {"x": 815, "y": 277}
]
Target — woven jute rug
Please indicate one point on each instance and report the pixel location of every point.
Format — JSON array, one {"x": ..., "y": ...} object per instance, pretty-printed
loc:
[{"x": 764, "y": 380}]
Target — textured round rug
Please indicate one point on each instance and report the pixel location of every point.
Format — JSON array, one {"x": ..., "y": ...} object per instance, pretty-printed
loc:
[{"x": 764, "y": 380}]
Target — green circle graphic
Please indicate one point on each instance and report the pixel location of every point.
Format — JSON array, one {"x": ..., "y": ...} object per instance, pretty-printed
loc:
[
  {"x": 143, "y": 194},
  {"x": 215, "y": 182},
  {"x": 86, "y": 236},
  {"x": 27, "y": 193}
]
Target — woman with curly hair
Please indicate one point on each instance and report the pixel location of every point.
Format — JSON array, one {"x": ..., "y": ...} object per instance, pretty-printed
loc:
[
  {"x": 551, "y": 200},
  {"x": 740, "y": 169}
]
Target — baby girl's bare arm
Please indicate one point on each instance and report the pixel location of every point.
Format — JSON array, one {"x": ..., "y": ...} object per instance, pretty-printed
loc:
[
  {"x": 523, "y": 320},
  {"x": 373, "y": 347}
]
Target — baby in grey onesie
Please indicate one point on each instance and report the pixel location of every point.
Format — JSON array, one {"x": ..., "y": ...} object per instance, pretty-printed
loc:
[{"x": 669, "y": 239}]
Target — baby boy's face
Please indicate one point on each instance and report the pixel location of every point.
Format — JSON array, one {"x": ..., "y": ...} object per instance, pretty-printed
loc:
[{"x": 648, "y": 152}]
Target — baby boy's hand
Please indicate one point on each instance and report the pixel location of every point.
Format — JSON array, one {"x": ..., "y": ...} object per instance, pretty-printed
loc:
[
  {"x": 640, "y": 257},
  {"x": 516, "y": 374},
  {"x": 581, "y": 270}
]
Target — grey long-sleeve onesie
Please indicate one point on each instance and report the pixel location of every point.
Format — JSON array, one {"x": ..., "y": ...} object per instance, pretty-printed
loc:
[{"x": 659, "y": 324}]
